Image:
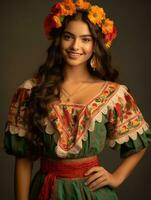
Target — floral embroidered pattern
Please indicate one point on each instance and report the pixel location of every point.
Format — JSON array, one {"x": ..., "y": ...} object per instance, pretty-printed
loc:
[
  {"x": 73, "y": 121},
  {"x": 70, "y": 123},
  {"x": 125, "y": 119},
  {"x": 16, "y": 122}
]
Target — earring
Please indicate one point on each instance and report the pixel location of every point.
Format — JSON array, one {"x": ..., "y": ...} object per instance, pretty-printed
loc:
[{"x": 93, "y": 63}]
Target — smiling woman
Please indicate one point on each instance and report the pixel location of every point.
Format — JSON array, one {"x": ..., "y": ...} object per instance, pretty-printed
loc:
[{"x": 71, "y": 108}]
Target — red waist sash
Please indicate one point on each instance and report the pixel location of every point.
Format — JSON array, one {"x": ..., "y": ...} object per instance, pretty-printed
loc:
[{"x": 63, "y": 169}]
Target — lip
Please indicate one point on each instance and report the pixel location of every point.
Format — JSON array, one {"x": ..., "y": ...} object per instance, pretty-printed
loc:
[{"x": 73, "y": 54}]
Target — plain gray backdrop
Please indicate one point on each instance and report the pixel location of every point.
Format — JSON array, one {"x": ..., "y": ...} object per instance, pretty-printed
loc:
[{"x": 23, "y": 48}]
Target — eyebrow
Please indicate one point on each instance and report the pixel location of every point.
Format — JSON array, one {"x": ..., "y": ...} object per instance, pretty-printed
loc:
[{"x": 85, "y": 35}]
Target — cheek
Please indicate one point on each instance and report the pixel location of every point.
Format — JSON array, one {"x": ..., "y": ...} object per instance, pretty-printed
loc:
[
  {"x": 89, "y": 49},
  {"x": 65, "y": 44},
  {"x": 63, "y": 47}
]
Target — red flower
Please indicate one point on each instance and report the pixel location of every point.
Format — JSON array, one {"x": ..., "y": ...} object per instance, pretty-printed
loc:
[
  {"x": 130, "y": 102},
  {"x": 111, "y": 117},
  {"x": 56, "y": 9},
  {"x": 128, "y": 98},
  {"x": 49, "y": 23},
  {"x": 94, "y": 104},
  {"x": 111, "y": 36},
  {"x": 118, "y": 109}
]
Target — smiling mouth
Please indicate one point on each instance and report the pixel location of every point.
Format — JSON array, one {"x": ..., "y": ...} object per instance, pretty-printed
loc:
[{"x": 74, "y": 54}]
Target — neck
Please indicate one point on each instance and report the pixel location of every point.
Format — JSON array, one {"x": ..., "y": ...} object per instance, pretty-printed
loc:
[{"x": 77, "y": 74}]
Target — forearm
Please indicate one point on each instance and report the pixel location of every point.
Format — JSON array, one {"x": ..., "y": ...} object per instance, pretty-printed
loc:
[
  {"x": 127, "y": 166},
  {"x": 23, "y": 172}
]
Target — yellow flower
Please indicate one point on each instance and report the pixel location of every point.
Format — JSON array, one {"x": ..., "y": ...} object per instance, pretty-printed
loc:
[
  {"x": 107, "y": 26},
  {"x": 57, "y": 21},
  {"x": 96, "y": 14},
  {"x": 135, "y": 122},
  {"x": 124, "y": 129},
  {"x": 83, "y": 4},
  {"x": 108, "y": 44}
]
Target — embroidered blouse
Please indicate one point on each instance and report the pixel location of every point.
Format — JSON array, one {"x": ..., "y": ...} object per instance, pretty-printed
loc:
[{"x": 80, "y": 130}]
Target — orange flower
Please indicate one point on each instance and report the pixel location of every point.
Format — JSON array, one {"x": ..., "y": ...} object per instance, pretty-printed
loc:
[
  {"x": 107, "y": 26},
  {"x": 124, "y": 129},
  {"x": 83, "y": 4},
  {"x": 68, "y": 8},
  {"x": 57, "y": 21},
  {"x": 135, "y": 122},
  {"x": 96, "y": 14}
]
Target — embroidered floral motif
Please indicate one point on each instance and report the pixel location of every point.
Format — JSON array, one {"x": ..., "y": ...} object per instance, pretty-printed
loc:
[
  {"x": 124, "y": 117},
  {"x": 72, "y": 122},
  {"x": 16, "y": 122}
]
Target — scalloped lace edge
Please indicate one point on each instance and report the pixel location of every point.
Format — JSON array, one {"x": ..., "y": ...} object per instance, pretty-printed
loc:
[
  {"x": 133, "y": 135},
  {"x": 28, "y": 84},
  {"x": 16, "y": 130}
]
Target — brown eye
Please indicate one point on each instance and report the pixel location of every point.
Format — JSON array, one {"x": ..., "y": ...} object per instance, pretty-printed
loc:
[
  {"x": 67, "y": 37},
  {"x": 86, "y": 39}
]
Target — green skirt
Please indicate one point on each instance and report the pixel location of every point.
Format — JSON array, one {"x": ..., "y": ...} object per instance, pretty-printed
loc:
[{"x": 71, "y": 189}]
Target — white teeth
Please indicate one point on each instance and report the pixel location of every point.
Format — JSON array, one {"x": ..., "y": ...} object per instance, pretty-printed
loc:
[{"x": 74, "y": 55}]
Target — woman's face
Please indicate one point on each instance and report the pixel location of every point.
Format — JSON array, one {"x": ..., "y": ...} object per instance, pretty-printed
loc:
[{"x": 76, "y": 43}]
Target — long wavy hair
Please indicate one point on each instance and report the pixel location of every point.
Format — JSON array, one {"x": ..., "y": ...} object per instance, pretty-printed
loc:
[{"x": 50, "y": 75}]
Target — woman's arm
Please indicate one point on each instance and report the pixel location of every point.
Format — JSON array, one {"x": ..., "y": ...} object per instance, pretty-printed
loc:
[
  {"x": 23, "y": 172},
  {"x": 126, "y": 167},
  {"x": 99, "y": 177}
]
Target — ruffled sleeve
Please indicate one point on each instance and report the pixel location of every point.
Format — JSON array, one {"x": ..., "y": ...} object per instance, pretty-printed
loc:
[
  {"x": 127, "y": 129},
  {"x": 15, "y": 140}
]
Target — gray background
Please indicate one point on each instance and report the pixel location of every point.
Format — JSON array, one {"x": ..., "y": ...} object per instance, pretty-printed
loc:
[{"x": 23, "y": 49}]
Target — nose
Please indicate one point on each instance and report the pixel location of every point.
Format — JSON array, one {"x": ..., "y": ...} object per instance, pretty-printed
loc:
[{"x": 76, "y": 44}]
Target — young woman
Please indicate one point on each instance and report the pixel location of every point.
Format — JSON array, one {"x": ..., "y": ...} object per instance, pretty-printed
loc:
[{"x": 70, "y": 109}]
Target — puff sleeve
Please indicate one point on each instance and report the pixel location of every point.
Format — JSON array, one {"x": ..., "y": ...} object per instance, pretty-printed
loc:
[
  {"x": 127, "y": 129},
  {"x": 15, "y": 140}
]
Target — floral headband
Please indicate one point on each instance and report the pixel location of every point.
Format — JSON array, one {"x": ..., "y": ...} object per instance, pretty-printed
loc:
[{"x": 96, "y": 15}]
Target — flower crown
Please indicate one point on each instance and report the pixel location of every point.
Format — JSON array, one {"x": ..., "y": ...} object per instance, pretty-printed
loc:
[{"x": 96, "y": 15}]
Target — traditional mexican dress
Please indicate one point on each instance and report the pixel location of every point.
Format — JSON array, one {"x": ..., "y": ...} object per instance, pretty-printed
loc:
[{"x": 75, "y": 131}]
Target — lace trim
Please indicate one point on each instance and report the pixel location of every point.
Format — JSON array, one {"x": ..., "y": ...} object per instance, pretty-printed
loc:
[
  {"x": 75, "y": 149},
  {"x": 28, "y": 84},
  {"x": 49, "y": 128},
  {"x": 133, "y": 135},
  {"x": 59, "y": 151},
  {"x": 16, "y": 130}
]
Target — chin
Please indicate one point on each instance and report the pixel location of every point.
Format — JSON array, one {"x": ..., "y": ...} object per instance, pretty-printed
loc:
[{"x": 76, "y": 64}]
